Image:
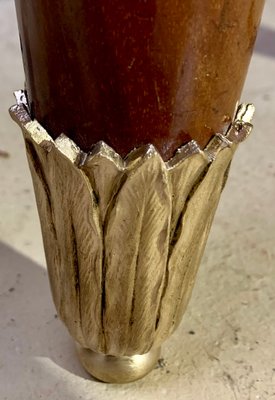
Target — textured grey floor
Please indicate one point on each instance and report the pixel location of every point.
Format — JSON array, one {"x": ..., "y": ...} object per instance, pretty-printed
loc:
[{"x": 231, "y": 354}]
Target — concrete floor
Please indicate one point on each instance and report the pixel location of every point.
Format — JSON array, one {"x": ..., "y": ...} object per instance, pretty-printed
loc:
[{"x": 231, "y": 354}]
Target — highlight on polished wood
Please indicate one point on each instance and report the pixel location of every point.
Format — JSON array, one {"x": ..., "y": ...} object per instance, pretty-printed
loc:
[{"x": 134, "y": 72}]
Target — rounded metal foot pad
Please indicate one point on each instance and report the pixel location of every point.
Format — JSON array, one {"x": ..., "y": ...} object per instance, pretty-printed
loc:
[{"x": 114, "y": 369}]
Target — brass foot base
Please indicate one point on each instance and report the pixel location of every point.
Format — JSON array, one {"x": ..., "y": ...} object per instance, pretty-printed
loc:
[{"x": 113, "y": 369}]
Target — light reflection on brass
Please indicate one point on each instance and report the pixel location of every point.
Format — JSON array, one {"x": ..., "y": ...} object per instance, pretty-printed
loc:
[{"x": 124, "y": 238}]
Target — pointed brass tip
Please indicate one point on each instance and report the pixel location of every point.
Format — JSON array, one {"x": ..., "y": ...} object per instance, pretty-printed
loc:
[
  {"x": 237, "y": 132},
  {"x": 245, "y": 113}
]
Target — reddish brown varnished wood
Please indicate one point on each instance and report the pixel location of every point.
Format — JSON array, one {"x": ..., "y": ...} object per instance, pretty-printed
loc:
[{"x": 136, "y": 72}]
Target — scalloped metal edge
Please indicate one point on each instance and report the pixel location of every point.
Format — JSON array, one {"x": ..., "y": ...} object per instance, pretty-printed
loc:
[{"x": 238, "y": 131}]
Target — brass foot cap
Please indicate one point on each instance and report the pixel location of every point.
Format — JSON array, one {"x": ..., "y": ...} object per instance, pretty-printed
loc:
[{"x": 122, "y": 369}]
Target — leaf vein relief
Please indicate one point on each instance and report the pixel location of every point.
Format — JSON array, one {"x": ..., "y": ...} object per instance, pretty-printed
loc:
[{"x": 124, "y": 237}]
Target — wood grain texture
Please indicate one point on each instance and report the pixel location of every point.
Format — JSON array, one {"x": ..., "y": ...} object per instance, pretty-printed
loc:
[
  {"x": 136, "y": 72},
  {"x": 124, "y": 238}
]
